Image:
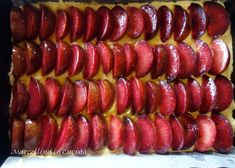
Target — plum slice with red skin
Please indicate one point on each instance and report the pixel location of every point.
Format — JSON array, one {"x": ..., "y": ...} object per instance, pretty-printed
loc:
[
  {"x": 152, "y": 97},
  {"x": 119, "y": 60},
  {"x": 17, "y": 135},
  {"x": 130, "y": 58},
  {"x": 18, "y": 61},
  {"x": 93, "y": 98},
  {"x": 62, "y": 24}
]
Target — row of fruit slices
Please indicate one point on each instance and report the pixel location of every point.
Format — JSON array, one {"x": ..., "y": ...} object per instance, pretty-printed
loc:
[
  {"x": 99, "y": 96},
  {"x": 112, "y": 24},
  {"x": 181, "y": 61},
  {"x": 143, "y": 135}
]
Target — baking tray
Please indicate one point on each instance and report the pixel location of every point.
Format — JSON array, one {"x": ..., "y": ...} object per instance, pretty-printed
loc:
[{"x": 192, "y": 159}]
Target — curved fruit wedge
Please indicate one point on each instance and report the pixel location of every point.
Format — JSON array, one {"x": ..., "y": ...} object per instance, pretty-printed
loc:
[
  {"x": 81, "y": 97},
  {"x": 17, "y": 135},
  {"x": 107, "y": 94},
  {"x": 166, "y": 22},
  {"x": 152, "y": 98},
  {"x": 18, "y": 24},
  {"x": 147, "y": 134},
  {"x": 182, "y": 23},
  {"x": 204, "y": 58},
  {"x": 220, "y": 57},
  {"x": 98, "y": 132},
  {"x": 106, "y": 23},
  {"x": 144, "y": 57},
  {"x": 18, "y": 61},
  {"x": 120, "y": 23},
  {"x": 194, "y": 93},
  {"x": 62, "y": 24},
  {"x": 131, "y": 137},
  {"x": 130, "y": 58},
  {"x": 135, "y": 22},
  {"x": 48, "y": 22},
  {"x": 93, "y": 99},
  {"x": 92, "y": 61},
  {"x": 116, "y": 133},
  {"x": 119, "y": 60},
  {"x": 37, "y": 98},
  {"x": 163, "y": 134},
  {"x": 123, "y": 88},
  {"x": 198, "y": 20},
  {"x": 167, "y": 102},
  {"x": 48, "y": 50},
  {"x": 209, "y": 94},
  {"x": 106, "y": 57},
  {"x": 224, "y": 89},
  {"x": 150, "y": 21},
  {"x": 77, "y": 23},
  {"x": 77, "y": 60},
  {"x": 206, "y": 134},
  {"x": 53, "y": 92},
  {"x": 92, "y": 22},
  {"x": 224, "y": 133},
  {"x": 215, "y": 28}
]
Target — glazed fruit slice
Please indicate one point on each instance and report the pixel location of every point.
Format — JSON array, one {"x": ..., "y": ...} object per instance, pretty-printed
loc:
[
  {"x": 130, "y": 58},
  {"x": 144, "y": 57},
  {"x": 224, "y": 91},
  {"x": 151, "y": 21},
  {"x": 167, "y": 99},
  {"x": 120, "y": 23},
  {"x": 18, "y": 24},
  {"x": 131, "y": 137},
  {"x": 93, "y": 99},
  {"x": 220, "y": 57},
  {"x": 17, "y": 135},
  {"x": 123, "y": 88},
  {"x": 215, "y": 28},
  {"x": 62, "y": 24},
  {"x": 166, "y": 22},
  {"x": 53, "y": 93},
  {"x": 182, "y": 23},
  {"x": 152, "y": 97},
  {"x": 135, "y": 22},
  {"x": 198, "y": 20},
  {"x": 18, "y": 61},
  {"x": 224, "y": 133},
  {"x": 116, "y": 133},
  {"x": 206, "y": 134},
  {"x": 106, "y": 23},
  {"x": 163, "y": 134},
  {"x": 119, "y": 60},
  {"x": 147, "y": 134},
  {"x": 48, "y": 22},
  {"x": 37, "y": 98}
]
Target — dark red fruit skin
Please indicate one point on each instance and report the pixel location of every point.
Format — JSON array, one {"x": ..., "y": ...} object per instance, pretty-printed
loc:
[
  {"x": 18, "y": 61},
  {"x": 119, "y": 60},
  {"x": 152, "y": 98},
  {"x": 130, "y": 58},
  {"x": 93, "y": 99},
  {"x": 166, "y": 22},
  {"x": 62, "y": 24},
  {"x": 17, "y": 135}
]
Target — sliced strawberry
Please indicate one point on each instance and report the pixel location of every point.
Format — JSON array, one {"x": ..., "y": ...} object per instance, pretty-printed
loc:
[
  {"x": 92, "y": 62},
  {"x": 62, "y": 24},
  {"x": 152, "y": 101},
  {"x": 220, "y": 57},
  {"x": 37, "y": 98},
  {"x": 166, "y": 22},
  {"x": 92, "y": 23},
  {"x": 224, "y": 133},
  {"x": 182, "y": 23},
  {"x": 123, "y": 88},
  {"x": 77, "y": 60},
  {"x": 77, "y": 23},
  {"x": 135, "y": 22},
  {"x": 167, "y": 102},
  {"x": 48, "y": 56},
  {"x": 53, "y": 92},
  {"x": 81, "y": 97},
  {"x": 187, "y": 60},
  {"x": 206, "y": 134},
  {"x": 116, "y": 133},
  {"x": 106, "y": 57},
  {"x": 131, "y": 137},
  {"x": 18, "y": 24},
  {"x": 130, "y": 58},
  {"x": 203, "y": 59},
  {"x": 163, "y": 134},
  {"x": 215, "y": 28},
  {"x": 119, "y": 60},
  {"x": 48, "y": 22},
  {"x": 209, "y": 94},
  {"x": 17, "y": 135},
  {"x": 198, "y": 20},
  {"x": 147, "y": 134},
  {"x": 18, "y": 61},
  {"x": 67, "y": 99},
  {"x": 106, "y": 23},
  {"x": 144, "y": 57},
  {"x": 151, "y": 21},
  {"x": 93, "y": 99}
]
